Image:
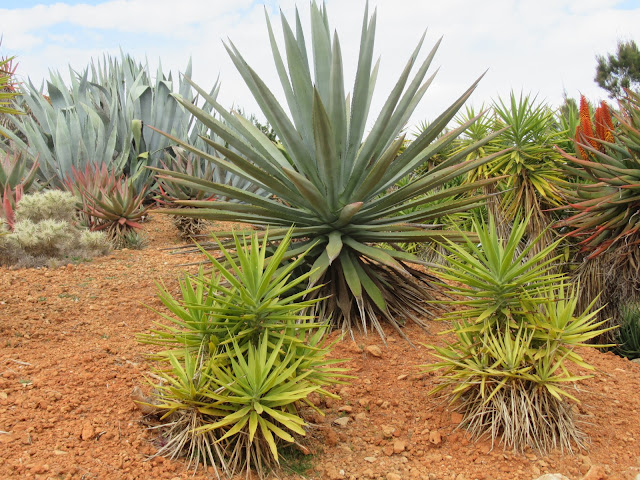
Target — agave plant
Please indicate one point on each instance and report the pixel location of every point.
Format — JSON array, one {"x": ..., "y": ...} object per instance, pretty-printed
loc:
[
  {"x": 99, "y": 118},
  {"x": 331, "y": 181},
  {"x": 170, "y": 191},
  {"x": 145, "y": 99}
]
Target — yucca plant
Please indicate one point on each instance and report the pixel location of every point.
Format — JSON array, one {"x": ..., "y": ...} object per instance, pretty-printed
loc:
[
  {"x": 532, "y": 165},
  {"x": 181, "y": 399},
  {"x": 481, "y": 128},
  {"x": 7, "y": 87},
  {"x": 528, "y": 130},
  {"x": 506, "y": 370},
  {"x": 240, "y": 357},
  {"x": 243, "y": 298},
  {"x": 331, "y": 181}
]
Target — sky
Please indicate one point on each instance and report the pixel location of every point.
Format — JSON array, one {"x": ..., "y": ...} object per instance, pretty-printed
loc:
[{"x": 542, "y": 47}]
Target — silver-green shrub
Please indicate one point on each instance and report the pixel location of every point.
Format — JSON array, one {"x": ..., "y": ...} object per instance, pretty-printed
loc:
[
  {"x": 47, "y": 232},
  {"x": 50, "y": 204}
]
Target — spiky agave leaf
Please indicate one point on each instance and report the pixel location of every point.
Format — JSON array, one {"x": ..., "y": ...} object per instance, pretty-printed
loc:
[{"x": 333, "y": 181}]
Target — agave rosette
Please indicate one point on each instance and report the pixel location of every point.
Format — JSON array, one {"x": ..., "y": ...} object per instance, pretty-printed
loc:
[{"x": 331, "y": 181}]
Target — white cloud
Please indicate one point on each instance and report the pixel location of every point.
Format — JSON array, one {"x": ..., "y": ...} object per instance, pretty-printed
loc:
[{"x": 544, "y": 46}]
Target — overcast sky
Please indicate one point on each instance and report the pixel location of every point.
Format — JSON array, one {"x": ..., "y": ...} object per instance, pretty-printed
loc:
[{"x": 540, "y": 46}]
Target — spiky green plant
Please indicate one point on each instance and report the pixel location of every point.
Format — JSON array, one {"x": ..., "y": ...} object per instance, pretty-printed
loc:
[
  {"x": 244, "y": 299},
  {"x": 240, "y": 359},
  {"x": 506, "y": 369},
  {"x": 7, "y": 87},
  {"x": 331, "y": 181},
  {"x": 627, "y": 336}
]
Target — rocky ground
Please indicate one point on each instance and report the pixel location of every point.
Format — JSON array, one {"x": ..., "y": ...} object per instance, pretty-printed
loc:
[{"x": 69, "y": 361}]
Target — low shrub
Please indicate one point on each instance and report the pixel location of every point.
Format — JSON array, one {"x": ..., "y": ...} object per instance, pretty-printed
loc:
[{"x": 45, "y": 231}]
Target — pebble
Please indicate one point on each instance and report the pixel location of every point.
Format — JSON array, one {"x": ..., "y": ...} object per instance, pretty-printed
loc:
[
  {"x": 331, "y": 438},
  {"x": 374, "y": 350},
  {"x": 370, "y": 459},
  {"x": 456, "y": 418},
  {"x": 435, "y": 437},
  {"x": 399, "y": 446},
  {"x": 552, "y": 476},
  {"x": 388, "y": 430},
  {"x": 87, "y": 432},
  {"x": 346, "y": 408},
  {"x": 596, "y": 472},
  {"x": 393, "y": 476},
  {"x": 342, "y": 421}
]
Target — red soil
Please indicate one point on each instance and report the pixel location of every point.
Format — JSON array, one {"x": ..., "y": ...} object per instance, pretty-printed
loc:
[{"x": 69, "y": 362}]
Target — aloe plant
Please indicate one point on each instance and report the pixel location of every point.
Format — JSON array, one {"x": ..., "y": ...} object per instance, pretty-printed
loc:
[
  {"x": 603, "y": 205},
  {"x": 15, "y": 171},
  {"x": 330, "y": 180}
]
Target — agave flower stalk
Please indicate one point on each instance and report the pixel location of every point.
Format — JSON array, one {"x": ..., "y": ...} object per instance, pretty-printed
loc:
[{"x": 331, "y": 181}]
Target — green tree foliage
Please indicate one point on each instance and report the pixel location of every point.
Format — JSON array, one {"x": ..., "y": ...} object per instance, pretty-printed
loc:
[{"x": 620, "y": 70}]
